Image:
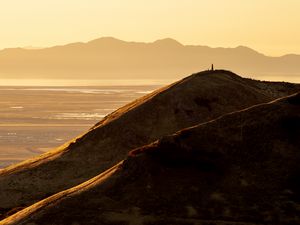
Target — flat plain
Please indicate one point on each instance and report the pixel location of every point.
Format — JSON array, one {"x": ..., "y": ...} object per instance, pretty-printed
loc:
[{"x": 35, "y": 119}]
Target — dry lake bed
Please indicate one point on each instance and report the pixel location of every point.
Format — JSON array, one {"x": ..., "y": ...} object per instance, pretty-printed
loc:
[{"x": 36, "y": 119}]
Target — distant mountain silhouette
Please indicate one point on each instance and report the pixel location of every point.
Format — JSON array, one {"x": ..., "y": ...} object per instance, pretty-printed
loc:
[
  {"x": 196, "y": 99},
  {"x": 242, "y": 168},
  {"x": 110, "y": 58}
]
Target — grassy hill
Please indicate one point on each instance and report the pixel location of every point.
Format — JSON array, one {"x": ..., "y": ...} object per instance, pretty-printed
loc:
[
  {"x": 196, "y": 99},
  {"x": 241, "y": 168}
]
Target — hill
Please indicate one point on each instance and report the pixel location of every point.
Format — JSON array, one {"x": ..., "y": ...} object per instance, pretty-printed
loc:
[
  {"x": 242, "y": 168},
  {"x": 198, "y": 98},
  {"x": 110, "y": 58}
]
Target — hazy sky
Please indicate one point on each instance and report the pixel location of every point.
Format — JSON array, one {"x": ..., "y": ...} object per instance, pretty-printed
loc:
[{"x": 269, "y": 26}]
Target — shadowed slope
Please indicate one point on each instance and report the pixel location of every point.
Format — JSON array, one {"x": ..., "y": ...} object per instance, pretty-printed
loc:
[
  {"x": 195, "y": 99},
  {"x": 242, "y": 168}
]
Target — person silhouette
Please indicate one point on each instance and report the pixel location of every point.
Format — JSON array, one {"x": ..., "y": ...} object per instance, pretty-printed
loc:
[{"x": 212, "y": 67}]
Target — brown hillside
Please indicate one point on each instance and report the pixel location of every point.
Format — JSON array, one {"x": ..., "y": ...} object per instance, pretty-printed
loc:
[
  {"x": 242, "y": 168},
  {"x": 198, "y": 98}
]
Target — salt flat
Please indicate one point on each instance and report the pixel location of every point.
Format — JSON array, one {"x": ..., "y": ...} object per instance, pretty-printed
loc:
[{"x": 35, "y": 119}]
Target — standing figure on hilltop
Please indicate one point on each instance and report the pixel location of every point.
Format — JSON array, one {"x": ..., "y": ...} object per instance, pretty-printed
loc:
[{"x": 212, "y": 67}]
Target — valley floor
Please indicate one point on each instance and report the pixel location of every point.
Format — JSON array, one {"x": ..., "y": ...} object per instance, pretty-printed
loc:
[{"x": 34, "y": 120}]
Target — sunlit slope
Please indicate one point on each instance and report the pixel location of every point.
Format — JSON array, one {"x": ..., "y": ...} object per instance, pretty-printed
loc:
[
  {"x": 198, "y": 98},
  {"x": 242, "y": 168}
]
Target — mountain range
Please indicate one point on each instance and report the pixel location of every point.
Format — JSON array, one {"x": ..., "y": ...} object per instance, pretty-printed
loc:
[{"x": 110, "y": 58}]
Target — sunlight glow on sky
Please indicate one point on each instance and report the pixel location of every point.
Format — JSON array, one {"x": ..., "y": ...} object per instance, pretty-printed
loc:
[{"x": 269, "y": 26}]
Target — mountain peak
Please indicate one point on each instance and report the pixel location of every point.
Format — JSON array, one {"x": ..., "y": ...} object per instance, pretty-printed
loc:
[
  {"x": 246, "y": 49},
  {"x": 106, "y": 40},
  {"x": 168, "y": 42}
]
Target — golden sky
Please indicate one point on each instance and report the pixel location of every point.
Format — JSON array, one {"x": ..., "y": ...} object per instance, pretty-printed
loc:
[{"x": 269, "y": 26}]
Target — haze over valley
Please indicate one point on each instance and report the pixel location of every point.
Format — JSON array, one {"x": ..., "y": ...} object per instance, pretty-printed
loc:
[
  {"x": 165, "y": 59},
  {"x": 37, "y": 119}
]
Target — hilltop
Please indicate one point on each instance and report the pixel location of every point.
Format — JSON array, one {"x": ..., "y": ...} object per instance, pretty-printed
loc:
[
  {"x": 241, "y": 168},
  {"x": 110, "y": 58},
  {"x": 198, "y": 98}
]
